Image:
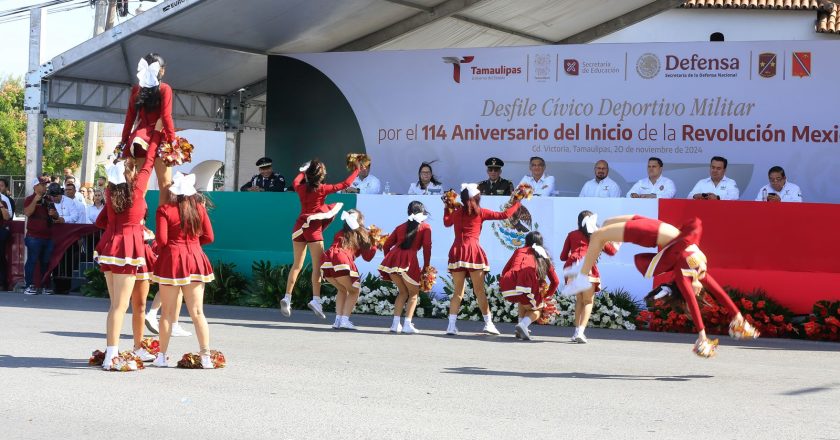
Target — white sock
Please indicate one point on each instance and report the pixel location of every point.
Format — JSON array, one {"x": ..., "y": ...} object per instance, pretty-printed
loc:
[
  {"x": 153, "y": 313},
  {"x": 488, "y": 318},
  {"x": 452, "y": 319},
  {"x": 317, "y": 299},
  {"x": 580, "y": 329},
  {"x": 526, "y": 321},
  {"x": 407, "y": 321},
  {"x": 288, "y": 298},
  {"x": 345, "y": 319},
  {"x": 111, "y": 352},
  {"x": 337, "y": 318},
  {"x": 396, "y": 321}
]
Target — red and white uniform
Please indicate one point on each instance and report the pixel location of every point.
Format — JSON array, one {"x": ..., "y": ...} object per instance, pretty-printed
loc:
[
  {"x": 404, "y": 261},
  {"x": 574, "y": 250},
  {"x": 145, "y": 271},
  {"x": 181, "y": 260},
  {"x": 466, "y": 253},
  {"x": 151, "y": 128},
  {"x": 124, "y": 249},
  {"x": 314, "y": 214},
  {"x": 339, "y": 261},
  {"x": 520, "y": 282}
]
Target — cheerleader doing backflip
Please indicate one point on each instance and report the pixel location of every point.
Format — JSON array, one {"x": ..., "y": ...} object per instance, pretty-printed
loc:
[
  {"x": 680, "y": 257},
  {"x": 314, "y": 217},
  {"x": 574, "y": 249},
  {"x": 338, "y": 265},
  {"x": 466, "y": 256},
  {"x": 523, "y": 279},
  {"x": 400, "y": 265}
]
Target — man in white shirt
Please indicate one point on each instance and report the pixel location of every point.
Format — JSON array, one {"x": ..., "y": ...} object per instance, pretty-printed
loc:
[
  {"x": 542, "y": 183},
  {"x": 779, "y": 189},
  {"x": 365, "y": 183},
  {"x": 655, "y": 186},
  {"x": 717, "y": 186},
  {"x": 73, "y": 194},
  {"x": 601, "y": 185},
  {"x": 66, "y": 209}
]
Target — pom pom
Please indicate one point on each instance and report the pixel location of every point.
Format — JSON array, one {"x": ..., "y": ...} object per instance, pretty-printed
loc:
[
  {"x": 360, "y": 158},
  {"x": 428, "y": 279},
  {"x": 193, "y": 360},
  {"x": 175, "y": 153}
]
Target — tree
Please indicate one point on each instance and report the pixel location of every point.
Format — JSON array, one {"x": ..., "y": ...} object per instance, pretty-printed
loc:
[{"x": 63, "y": 139}]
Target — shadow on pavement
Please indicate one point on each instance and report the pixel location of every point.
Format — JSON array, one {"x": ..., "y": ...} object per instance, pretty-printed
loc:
[
  {"x": 479, "y": 371},
  {"x": 812, "y": 390},
  {"x": 7, "y": 361}
]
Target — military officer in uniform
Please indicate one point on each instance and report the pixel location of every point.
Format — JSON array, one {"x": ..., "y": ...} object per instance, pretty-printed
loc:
[
  {"x": 266, "y": 180},
  {"x": 495, "y": 185}
]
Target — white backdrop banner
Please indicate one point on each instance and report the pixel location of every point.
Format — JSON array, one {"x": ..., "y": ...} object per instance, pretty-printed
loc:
[
  {"x": 758, "y": 104},
  {"x": 554, "y": 217}
]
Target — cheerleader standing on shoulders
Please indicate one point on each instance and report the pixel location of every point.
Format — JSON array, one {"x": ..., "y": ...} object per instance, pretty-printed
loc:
[
  {"x": 182, "y": 267},
  {"x": 123, "y": 253},
  {"x": 680, "y": 259},
  {"x": 400, "y": 265},
  {"x": 574, "y": 249},
  {"x": 339, "y": 267},
  {"x": 466, "y": 257},
  {"x": 308, "y": 231},
  {"x": 522, "y": 280},
  {"x": 148, "y": 121}
]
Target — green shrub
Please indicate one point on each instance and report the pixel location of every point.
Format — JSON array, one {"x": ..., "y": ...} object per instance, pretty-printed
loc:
[{"x": 229, "y": 287}]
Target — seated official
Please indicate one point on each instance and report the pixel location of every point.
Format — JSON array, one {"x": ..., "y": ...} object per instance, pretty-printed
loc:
[
  {"x": 266, "y": 180},
  {"x": 365, "y": 183},
  {"x": 601, "y": 185},
  {"x": 495, "y": 185},
  {"x": 779, "y": 189},
  {"x": 717, "y": 186},
  {"x": 655, "y": 186},
  {"x": 426, "y": 182},
  {"x": 542, "y": 183}
]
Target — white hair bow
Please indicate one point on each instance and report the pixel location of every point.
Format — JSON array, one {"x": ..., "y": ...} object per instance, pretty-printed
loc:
[
  {"x": 183, "y": 184},
  {"x": 304, "y": 167},
  {"x": 148, "y": 73},
  {"x": 539, "y": 250},
  {"x": 352, "y": 219},
  {"x": 472, "y": 189},
  {"x": 590, "y": 222},
  {"x": 418, "y": 217},
  {"x": 116, "y": 173}
]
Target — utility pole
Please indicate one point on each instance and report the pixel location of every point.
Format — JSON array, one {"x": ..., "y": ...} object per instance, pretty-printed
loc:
[
  {"x": 32, "y": 102},
  {"x": 102, "y": 21}
]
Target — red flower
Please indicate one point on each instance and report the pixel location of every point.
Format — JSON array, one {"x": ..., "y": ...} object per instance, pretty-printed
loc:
[
  {"x": 748, "y": 305},
  {"x": 760, "y": 304},
  {"x": 832, "y": 321},
  {"x": 778, "y": 318}
]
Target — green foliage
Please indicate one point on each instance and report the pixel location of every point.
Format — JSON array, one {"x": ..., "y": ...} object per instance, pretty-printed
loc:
[
  {"x": 623, "y": 300},
  {"x": 269, "y": 285},
  {"x": 229, "y": 286},
  {"x": 95, "y": 285}
]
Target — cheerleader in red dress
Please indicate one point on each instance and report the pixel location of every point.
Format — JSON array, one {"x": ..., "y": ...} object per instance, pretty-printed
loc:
[
  {"x": 182, "y": 267},
  {"x": 522, "y": 280},
  {"x": 314, "y": 217},
  {"x": 400, "y": 265},
  {"x": 466, "y": 257},
  {"x": 574, "y": 249},
  {"x": 121, "y": 253},
  {"x": 338, "y": 265},
  {"x": 148, "y": 121},
  {"x": 679, "y": 257}
]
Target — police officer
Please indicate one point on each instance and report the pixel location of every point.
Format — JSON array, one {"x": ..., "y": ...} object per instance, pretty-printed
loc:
[
  {"x": 266, "y": 180},
  {"x": 495, "y": 185}
]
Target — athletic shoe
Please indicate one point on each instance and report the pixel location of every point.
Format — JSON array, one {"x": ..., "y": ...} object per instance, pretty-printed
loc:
[
  {"x": 315, "y": 306},
  {"x": 206, "y": 362},
  {"x": 574, "y": 336},
  {"x": 178, "y": 331},
  {"x": 578, "y": 284},
  {"x": 347, "y": 325},
  {"x": 144, "y": 355},
  {"x": 285, "y": 307},
  {"x": 161, "y": 361},
  {"x": 409, "y": 329},
  {"x": 491, "y": 329},
  {"x": 337, "y": 323},
  {"x": 581, "y": 338},
  {"x": 522, "y": 332},
  {"x": 452, "y": 330},
  {"x": 46, "y": 291},
  {"x": 396, "y": 328},
  {"x": 152, "y": 324},
  {"x": 30, "y": 290}
]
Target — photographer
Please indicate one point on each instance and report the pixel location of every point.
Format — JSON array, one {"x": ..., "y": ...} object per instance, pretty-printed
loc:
[
  {"x": 38, "y": 210},
  {"x": 67, "y": 210}
]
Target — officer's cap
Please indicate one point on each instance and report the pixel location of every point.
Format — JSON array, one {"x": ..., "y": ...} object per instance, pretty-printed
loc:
[
  {"x": 264, "y": 162},
  {"x": 494, "y": 162}
]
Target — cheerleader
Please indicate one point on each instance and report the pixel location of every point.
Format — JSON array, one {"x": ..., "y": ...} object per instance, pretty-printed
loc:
[
  {"x": 148, "y": 121},
  {"x": 400, "y": 264},
  {"x": 314, "y": 217},
  {"x": 522, "y": 280},
  {"x": 466, "y": 257},
  {"x": 680, "y": 259},
  {"x": 122, "y": 253},
  {"x": 339, "y": 267},
  {"x": 574, "y": 249},
  {"x": 182, "y": 267}
]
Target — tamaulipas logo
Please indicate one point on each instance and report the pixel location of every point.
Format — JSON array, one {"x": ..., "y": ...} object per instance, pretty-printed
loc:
[
  {"x": 456, "y": 65},
  {"x": 496, "y": 72}
]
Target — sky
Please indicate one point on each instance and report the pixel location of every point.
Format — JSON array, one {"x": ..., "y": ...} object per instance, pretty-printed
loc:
[{"x": 61, "y": 31}]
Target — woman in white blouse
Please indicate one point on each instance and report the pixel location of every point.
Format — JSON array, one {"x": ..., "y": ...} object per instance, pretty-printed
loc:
[
  {"x": 92, "y": 210},
  {"x": 426, "y": 182}
]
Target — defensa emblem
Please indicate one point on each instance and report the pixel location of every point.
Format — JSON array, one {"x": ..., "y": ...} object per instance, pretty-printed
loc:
[{"x": 767, "y": 65}]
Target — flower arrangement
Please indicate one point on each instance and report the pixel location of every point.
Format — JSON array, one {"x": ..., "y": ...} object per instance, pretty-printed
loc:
[
  {"x": 125, "y": 361},
  {"x": 450, "y": 199},
  {"x": 151, "y": 345},
  {"x": 360, "y": 158},
  {"x": 377, "y": 237},
  {"x": 428, "y": 279},
  {"x": 175, "y": 153},
  {"x": 193, "y": 360},
  {"x": 824, "y": 323},
  {"x": 523, "y": 191}
]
